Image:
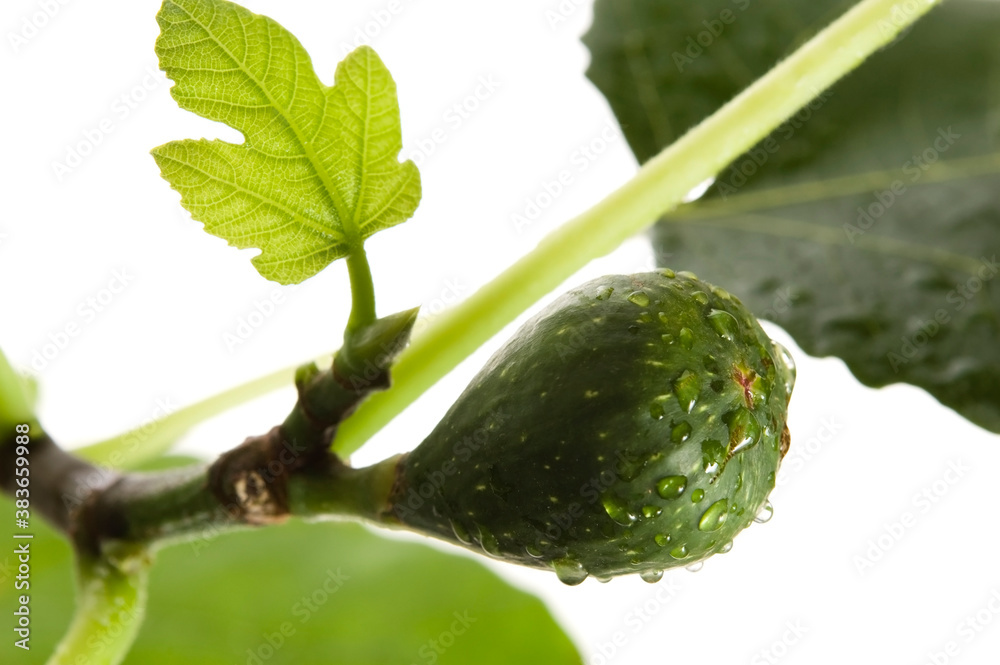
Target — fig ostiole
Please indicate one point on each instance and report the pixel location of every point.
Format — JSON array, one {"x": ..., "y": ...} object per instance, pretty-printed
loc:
[{"x": 634, "y": 425}]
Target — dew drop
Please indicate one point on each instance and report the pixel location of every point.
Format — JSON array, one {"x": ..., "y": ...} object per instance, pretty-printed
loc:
[
  {"x": 789, "y": 363},
  {"x": 488, "y": 541},
  {"x": 671, "y": 487},
  {"x": 724, "y": 323},
  {"x": 744, "y": 430},
  {"x": 606, "y": 293},
  {"x": 680, "y": 432},
  {"x": 461, "y": 532},
  {"x": 661, "y": 539},
  {"x": 727, "y": 548},
  {"x": 697, "y": 495},
  {"x": 667, "y": 272},
  {"x": 639, "y": 298},
  {"x": 765, "y": 513},
  {"x": 687, "y": 388},
  {"x": 656, "y": 411},
  {"x": 700, "y": 297},
  {"x": 649, "y": 512},
  {"x": 687, "y": 338},
  {"x": 617, "y": 509},
  {"x": 713, "y": 454},
  {"x": 663, "y": 317},
  {"x": 687, "y": 274},
  {"x": 739, "y": 481},
  {"x": 533, "y": 552},
  {"x": 651, "y": 576},
  {"x": 696, "y": 566},
  {"x": 645, "y": 317},
  {"x": 679, "y": 552},
  {"x": 569, "y": 571},
  {"x": 715, "y": 516}
]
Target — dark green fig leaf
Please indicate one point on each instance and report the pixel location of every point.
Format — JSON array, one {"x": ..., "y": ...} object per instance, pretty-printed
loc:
[
  {"x": 634, "y": 425},
  {"x": 868, "y": 225}
]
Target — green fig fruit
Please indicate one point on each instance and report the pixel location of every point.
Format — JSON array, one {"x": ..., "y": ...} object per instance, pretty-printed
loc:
[{"x": 634, "y": 425}]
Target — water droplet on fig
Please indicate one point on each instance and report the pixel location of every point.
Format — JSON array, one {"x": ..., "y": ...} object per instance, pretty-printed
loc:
[
  {"x": 639, "y": 298},
  {"x": 649, "y": 512},
  {"x": 663, "y": 317},
  {"x": 671, "y": 487},
  {"x": 569, "y": 571},
  {"x": 724, "y": 323},
  {"x": 789, "y": 362},
  {"x": 765, "y": 513},
  {"x": 651, "y": 576},
  {"x": 687, "y": 388},
  {"x": 700, "y": 297},
  {"x": 744, "y": 429},
  {"x": 661, "y": 539},
  {"x": 727, "y": 548},
  {"x": 667, "y": 272},
  {"x": 680, "y": 432},
  {"x": 679, "y": 552},
  {"x": 715, "y": 516},
  {"x": 461, "y": 532},
  {"x": 656, "y": 411},
  {"x": 488, "y": 541},
  {"x": 687, "y": 338},
  {"x": 617, "y": 509},
  {"x": 697, "y": 495},
  {"x": 533, "y": 552},
  {"x": 696, "y": 566}
]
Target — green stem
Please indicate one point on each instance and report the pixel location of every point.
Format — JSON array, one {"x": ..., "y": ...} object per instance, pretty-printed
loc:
[
  {"x": 362, "y": 290},
  {"x": 658, "y": 187},
  {"x": 142, "y": 443},
  {"x": 14, "y": 405},
  {"x": 110, "y": 607}
]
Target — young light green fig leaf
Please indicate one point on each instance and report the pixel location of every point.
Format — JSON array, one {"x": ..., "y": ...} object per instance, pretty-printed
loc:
[
  {"x": 318, "y": 171},
  {"x": 634, "y": 425}
]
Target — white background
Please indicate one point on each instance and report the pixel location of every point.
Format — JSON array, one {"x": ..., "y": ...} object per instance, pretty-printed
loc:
[{"x": 835, "y": 563}]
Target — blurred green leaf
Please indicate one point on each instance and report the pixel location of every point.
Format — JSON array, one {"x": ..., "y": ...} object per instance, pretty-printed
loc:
[
  {"x": 868, "y": 225},
  {"x": 305, "y": 593}
]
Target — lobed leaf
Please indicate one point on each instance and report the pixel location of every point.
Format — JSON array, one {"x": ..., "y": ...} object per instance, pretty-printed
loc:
[{"x": 318, "y": 171}]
